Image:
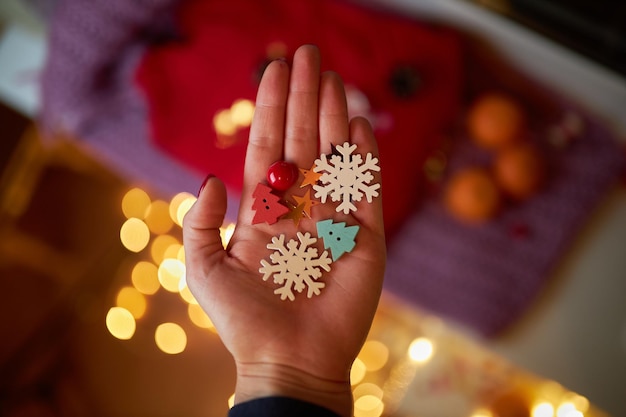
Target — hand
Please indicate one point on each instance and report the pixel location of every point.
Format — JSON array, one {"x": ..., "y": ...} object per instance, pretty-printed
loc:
[{"x": 302, "y": 348}]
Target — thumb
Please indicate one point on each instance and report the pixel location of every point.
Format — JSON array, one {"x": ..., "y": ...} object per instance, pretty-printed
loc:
[{"x": 201, "y": 225}]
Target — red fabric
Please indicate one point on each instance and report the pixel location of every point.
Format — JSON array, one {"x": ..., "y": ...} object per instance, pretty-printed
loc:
[{"x": 226, "y": 42}]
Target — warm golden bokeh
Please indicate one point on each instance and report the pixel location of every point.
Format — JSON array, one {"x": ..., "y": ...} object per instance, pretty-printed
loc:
[
  {"x": 135, "y": 203},
  {"x": 121, "y": 323},
  {"x": 134, "y": 234},
  {"x": 170, "y": 338}
]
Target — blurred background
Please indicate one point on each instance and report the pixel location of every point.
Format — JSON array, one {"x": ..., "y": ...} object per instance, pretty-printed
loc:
[{"x": 501, "y": 303}]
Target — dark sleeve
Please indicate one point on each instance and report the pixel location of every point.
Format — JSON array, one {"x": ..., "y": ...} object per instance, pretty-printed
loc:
[{"x": 279, "y": 407}]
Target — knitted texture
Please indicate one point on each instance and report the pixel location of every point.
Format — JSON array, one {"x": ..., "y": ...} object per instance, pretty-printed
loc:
[
  {"x": 486, "y": 277},
  {"x": 88, "y": 90}
]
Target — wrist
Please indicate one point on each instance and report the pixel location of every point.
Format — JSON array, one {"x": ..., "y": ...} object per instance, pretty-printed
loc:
[{"x": 258, "y": 380}]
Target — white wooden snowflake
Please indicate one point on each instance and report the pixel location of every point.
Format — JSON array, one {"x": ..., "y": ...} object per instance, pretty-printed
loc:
[
  {"x": 346, "y": 178},
  {"x": 295, "y": 267}
]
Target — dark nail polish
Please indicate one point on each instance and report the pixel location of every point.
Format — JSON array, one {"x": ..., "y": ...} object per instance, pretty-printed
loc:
[{"x": 208, "y": 177}]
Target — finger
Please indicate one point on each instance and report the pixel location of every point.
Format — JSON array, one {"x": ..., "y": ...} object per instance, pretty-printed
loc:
[
  {"x": 301, "y": 130},
  {"x": 333, "y": 119},
  {"x": 201, "y": 225},
  {"x": 265, "y": 145},
  {"x": 362, "y": 135}
]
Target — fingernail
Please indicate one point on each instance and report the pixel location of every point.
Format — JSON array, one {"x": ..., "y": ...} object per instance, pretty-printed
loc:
[{"x": 208, "y": 177}]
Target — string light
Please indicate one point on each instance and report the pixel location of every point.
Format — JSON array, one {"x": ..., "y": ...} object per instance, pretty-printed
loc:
[
  {"x": 368, "y": 400},
  {"x": 183, "y": 208},
  {"x": 147, "y": 217},
  {"x": 164, "y": 246},
  {"x": 185, "y": 292},
  {"x": 135, "y": 203},
  {"x": 368, "y": 406},
  {"x": 568, "y": 409},
  {"x": 551, "y": 391},
  {"x": 358, "y": 371},
  {"x": 241, "y": 112},
  {"x": 543, "y": 409},
  {"x": 223, "y": 123},
  {"x": 120, "y": 323},
  {"x": 227, "y": 121},
  {"x": 158, "y": 217},
  {"x": 170, "y": 338},
  {"x": 226, "y": 233},
  {"x": 171, "y": 272},
  {"x": 374, "y": 355},
  {"x": 134, "y": 234},
  {"x": 144, "y": 277},
  {"x": 421, "y": 350},
  {"x": 132, "y": 300},
  {"x": 181, "y": 254},
  {"x": 199, "y": 317},
  {"x": 580, "y": 403},
  {"x": 179, "y": 205},
  {"x": 368, "y": 388}
]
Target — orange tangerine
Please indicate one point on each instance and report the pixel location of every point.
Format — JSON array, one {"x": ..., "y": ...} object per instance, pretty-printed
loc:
[
  {"x": 496, "y": 120},
  {"x": 520, "y": 170},
  {"x": 472, "y": 195}
]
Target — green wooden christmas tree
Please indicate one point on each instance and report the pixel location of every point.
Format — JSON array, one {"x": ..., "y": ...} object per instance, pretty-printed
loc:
[{"x": 337, "y": 236}]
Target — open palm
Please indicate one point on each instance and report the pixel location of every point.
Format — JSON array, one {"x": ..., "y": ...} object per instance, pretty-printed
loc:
[{"x": 299, "y": 114}]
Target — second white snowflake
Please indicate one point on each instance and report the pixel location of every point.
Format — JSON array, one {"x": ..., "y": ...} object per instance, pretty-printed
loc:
[
  {"x": 295, "y": 266},
  {"x": 346, "y": 177}
]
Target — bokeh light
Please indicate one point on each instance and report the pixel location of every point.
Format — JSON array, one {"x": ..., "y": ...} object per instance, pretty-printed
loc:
[
  {"x": 181, "y": 254},
  {"x": 164, "y": 246},
  {"x": 134, "y": 234},
  {"x": 158, "y": 217},
  {"x": 580, "y": 403},
  {"x": 185, "y": 292},
  {"x": 144, "y": 277},
  {"x": 368, "y": 388},
  {"x": 170, "y": 338},
  {"x": 241, "y": 112},
  {"x": 180, "y": 205},
  {"x": 374, "y": 355},
  {"x": 199, "y": 317},
  {"x": 135, "y": 203},
  {"x": 224, "y": 124},
  {"x": 226, "y": 232},
  {"x": 542, "y": 409},
  {"x": 358, "y": 371},
  {"x": 482, "y": 413},
  {"x": 368, "y": 406},
  {"x": 421, "y": 350},
  {"x": 368, "y": 400},
  {"x": 120, "y": 323},
  {"x": 551, "y": 391},
  {"x": 132, "y": 300},
  {"x": 184, "y": 207},
  {"x": 568, "y": 409},
  {"x": 170, "y": 272}
]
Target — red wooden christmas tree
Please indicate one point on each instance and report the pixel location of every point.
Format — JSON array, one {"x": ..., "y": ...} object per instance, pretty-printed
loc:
[{"x": 266, "y": 205}]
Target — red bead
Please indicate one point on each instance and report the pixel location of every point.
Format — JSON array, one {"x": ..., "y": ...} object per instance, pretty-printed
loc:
[{"x": 281, "y": 175}]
